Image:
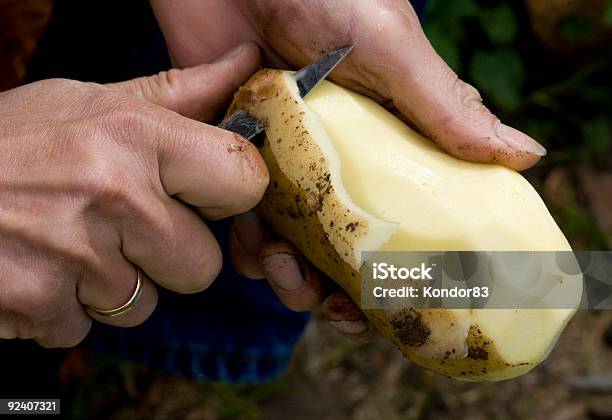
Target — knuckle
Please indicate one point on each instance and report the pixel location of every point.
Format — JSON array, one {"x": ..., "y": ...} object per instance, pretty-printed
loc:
[
  {"x": 124, "y": 117},
  {"x": 43, "y": 299},
  {"x": 168, "y": 82},
  {"x": 76, "y": 335},
  {"x": 468, "y": 95},
  {"x": 105, "y": 189},
  {"x": 64, "y": 85},
  {"x": 102, "y": 181},
  {"x": 464, "y": 115},
  {"x": 211, "y": 268},
  {"x": 202, "y": 273},
  {"x": 40, "y": 302},
  {"x": 104, "y": 175},
  {"x": 203, "y": 260},
  {"x": 68, "y": 86},
  {"x": 206, "y": 270},
  {"x": 153, "y": 221}
]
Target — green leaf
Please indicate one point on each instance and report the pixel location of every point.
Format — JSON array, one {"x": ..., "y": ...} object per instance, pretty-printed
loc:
[
  {"x": 596, "y": 136},
  {"x": 543, "y": 130},
  {"x": 607, "y": 14},
  {"x": 450, "y": 10},
  {"x": 500, "y": 24},
  {"x": 460, "y": 9},
  {"x": 499, "y": 74},
  {"x": 578, "y": 222},
  {"x": 444, "y": 45},
  {"x": 576, "y": 28}
]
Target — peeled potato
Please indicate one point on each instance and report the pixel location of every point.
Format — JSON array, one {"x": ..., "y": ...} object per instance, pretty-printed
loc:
[{"x": 346, "y": 176}]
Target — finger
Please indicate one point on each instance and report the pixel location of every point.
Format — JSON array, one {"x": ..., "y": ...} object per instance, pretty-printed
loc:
[
  {"x": 7, "y": 329},
  {"x": 207, "y": 167},
  {"x": 67, "y": 329},
  {"x": 38, "y": 296},
  {"x": 456, "y": 119},
  {"x": 293, "y": 280},
  {"x": 219, "y": 172},
  {"x": 341, "y": 313},
  {"x": 111, "y": 286},
  {"x": 429, "y": 93},
  {"x": 247, "y": 237},
  {"x": 393, "y": 60},
  {"x": 199, "y": 92},
  {"x": 172, "y": 246}
]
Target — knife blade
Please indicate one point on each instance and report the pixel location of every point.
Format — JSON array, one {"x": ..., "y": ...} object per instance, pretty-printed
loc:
[{"x": 307, "y": 78}]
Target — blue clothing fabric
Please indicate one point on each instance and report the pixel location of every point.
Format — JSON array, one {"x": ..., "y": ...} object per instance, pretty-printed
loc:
[{"x": 237, "y": 330}]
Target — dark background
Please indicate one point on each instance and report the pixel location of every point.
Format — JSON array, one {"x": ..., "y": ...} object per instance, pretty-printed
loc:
[{"x": 544, "y": 66}]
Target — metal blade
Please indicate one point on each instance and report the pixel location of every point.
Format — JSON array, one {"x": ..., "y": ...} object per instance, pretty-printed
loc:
[
  {"x": 243, "y": 123},
  {"x": 307, "y": 78}
]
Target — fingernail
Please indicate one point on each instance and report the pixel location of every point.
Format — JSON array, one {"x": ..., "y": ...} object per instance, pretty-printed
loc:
[
  {"x": 519, "y": 141},
  {"x": 228, "y": 55},
  {"x": 250, "y": 231},
  {"x": 350, "y": 327},
  {"x": 284, "y": 271}
]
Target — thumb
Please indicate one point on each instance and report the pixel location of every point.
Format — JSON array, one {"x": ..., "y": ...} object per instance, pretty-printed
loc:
[
  {"x": 399, "y": 64},
  {"x": 199, "y": 92},
  {"x": 451, "y": 112}
]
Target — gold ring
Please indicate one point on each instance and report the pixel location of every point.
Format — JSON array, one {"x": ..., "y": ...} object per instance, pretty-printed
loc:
[{"x": 128, "y": 305}]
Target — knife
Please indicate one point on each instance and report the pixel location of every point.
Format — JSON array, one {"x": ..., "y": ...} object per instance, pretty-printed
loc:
[{"x": 307, "y": 78}]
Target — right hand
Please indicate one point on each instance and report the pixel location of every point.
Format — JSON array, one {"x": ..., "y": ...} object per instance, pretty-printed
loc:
[{"x": 97, "y": 181}]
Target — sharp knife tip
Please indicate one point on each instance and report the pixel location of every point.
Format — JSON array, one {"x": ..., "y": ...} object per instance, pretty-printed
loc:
[{"x": 346, "y": 49}]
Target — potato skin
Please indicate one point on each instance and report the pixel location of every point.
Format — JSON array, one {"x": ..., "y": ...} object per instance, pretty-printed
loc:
[
  {"x": 302, "y": 205},
  {"x": 312, "y": 172}
]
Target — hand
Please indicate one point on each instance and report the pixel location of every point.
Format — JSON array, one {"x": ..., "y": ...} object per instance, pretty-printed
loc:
[
  {"x": 99, "y": 181},
  {"x": 256, "y": 253},
  {"x": 392, "y": 62}
]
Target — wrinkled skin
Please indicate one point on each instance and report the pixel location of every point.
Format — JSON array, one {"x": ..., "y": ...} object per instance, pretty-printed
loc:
[
  {"x": 392, "y": 62},
  {"x": 98, "y": 181}
]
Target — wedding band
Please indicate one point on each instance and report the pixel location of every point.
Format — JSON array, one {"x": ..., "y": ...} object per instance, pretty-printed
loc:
[{"x": 128, "y": 305}]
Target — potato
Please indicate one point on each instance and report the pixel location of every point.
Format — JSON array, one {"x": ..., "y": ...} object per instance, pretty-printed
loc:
[{"x": 347, "y": 176}]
